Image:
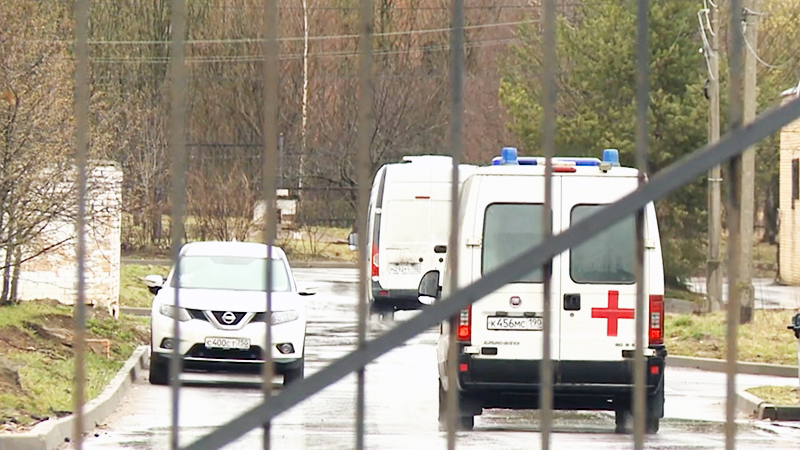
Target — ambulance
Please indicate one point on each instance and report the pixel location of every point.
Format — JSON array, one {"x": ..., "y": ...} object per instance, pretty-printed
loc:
[
  {"x": 408, "y": 223},
  {"x": 593, "y": 293}
]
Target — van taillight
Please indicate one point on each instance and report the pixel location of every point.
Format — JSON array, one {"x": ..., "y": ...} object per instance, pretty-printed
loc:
[
  {"x": 463, "y": 332},
  {"x": 374, "y": 259},
  {"x": 656, "y": 326}
]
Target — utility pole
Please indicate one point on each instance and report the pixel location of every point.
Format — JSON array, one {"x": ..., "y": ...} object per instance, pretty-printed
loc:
[
  {"x": 714, "y": 276},
  {"x": 745, "y": 282}
]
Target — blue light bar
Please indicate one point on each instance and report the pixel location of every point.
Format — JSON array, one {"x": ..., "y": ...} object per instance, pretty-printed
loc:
[{"x": 540, "y": 161}]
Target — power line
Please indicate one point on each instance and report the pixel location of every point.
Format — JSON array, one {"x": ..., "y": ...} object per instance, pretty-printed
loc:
[
  {"x": 758, "y": 58},
  {"x": 335, "y": 54},
  {"x": 295, "y": 38}
]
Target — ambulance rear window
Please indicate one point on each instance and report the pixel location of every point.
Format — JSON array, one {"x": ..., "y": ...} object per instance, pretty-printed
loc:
[
  {"x": 508, "y": 230},
  {"x": 607, "y": 258}
]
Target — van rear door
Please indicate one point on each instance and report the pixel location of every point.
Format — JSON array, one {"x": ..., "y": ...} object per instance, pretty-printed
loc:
[
  {"x": 506, "y": 324},
  {"x": 598, "y": 290}
]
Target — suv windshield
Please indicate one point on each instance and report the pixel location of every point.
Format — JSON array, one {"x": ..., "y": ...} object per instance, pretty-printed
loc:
[
  {"x": 607, "y": 258},
  {"x": 508, "y": 230},
  {"x": 237, "y": 273}
]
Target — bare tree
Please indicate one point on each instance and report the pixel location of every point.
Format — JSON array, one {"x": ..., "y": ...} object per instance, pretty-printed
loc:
[{"x": 37, "y": 172}]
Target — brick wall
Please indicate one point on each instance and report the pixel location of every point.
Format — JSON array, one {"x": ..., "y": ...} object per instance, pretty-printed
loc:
[
  {"x": 789, "y": 230},
  {"x": 53, "y": 274}
]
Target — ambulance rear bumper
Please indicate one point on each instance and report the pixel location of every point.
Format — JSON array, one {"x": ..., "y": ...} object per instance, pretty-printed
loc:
[{"x": 590, "y": 385}]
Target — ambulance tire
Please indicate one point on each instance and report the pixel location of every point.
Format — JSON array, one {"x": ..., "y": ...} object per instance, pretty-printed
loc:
[
  {"x": 465, "y": 422},
  {"x": 655, "y": 410}
]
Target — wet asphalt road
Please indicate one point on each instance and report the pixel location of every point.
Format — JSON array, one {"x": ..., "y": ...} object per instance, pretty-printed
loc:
[{"x": 401, "y": 396}]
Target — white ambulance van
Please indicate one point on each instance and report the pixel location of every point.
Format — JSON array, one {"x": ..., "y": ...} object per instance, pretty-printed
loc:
[
  {"x": 409, "y": 228},
  {"x": 593, "y": 289}
]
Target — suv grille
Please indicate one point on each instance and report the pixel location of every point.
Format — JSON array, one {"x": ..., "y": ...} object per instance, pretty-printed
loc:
[{"x": 237, "y": 317}]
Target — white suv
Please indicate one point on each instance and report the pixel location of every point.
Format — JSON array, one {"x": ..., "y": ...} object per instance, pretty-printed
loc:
[{"x": 222, "y": 311}]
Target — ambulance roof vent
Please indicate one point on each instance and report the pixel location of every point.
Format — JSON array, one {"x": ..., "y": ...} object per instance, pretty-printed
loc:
[{"x": 611, "y": 156}]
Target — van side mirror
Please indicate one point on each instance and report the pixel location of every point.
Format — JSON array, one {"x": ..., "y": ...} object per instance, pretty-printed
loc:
[
  {"x": 352, "y": 241},
  {"x": 429, "y": 289},
  {"x": 154, "y": 283}
]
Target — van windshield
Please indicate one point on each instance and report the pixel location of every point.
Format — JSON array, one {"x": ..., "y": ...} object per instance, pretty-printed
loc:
[
  {"x": 607, "y": 258},
  {"x": 508, "y": 230},
  {"x": 235, "y": 273}
]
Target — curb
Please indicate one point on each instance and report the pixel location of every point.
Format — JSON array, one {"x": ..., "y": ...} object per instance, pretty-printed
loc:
[
  {"x": 719, "y": 365},
  {"x": 50, "y": 434},
  {"x": 753, "y": 406}
]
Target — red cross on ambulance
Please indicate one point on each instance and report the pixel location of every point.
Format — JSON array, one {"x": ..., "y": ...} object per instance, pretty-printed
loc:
[{"x": 613, "y": 313}]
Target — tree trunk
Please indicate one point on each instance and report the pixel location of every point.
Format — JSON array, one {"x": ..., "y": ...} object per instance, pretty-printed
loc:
[
  {"x": 4, "y": 298},
  {"x": 15, "y": 275}
]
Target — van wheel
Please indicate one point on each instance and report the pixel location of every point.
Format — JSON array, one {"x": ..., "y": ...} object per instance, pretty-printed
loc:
[
  {"x": 466, "y": 423},
  {"x": 621, "y": 416}
]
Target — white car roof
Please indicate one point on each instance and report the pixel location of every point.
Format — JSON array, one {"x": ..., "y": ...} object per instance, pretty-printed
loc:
[{"x": 231, "y": 248}]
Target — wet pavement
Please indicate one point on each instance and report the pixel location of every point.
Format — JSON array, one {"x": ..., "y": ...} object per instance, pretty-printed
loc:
[
  {"x": 768, "y": 294},
  {"x": 401, "y": 397}
]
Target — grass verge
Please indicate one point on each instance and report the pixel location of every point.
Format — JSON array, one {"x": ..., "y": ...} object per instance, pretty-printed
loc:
[
  {"x": 765, "y": 339},
  {"x": 777, "y": 395},
  {"x": 132, "y": 291},
  {"x": 37, "y": 365}
]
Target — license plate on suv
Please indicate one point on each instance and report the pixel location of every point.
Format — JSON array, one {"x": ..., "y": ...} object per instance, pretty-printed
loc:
[
  {"x": 228, "y": 343},
  {"x": 514, "y": 323}
]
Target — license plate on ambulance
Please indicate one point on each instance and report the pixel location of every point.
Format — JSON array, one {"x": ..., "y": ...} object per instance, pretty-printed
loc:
[
  {"x": 404, "y": 269},
  {"x": 514, "y": 323},
  {"x": 228, "y": 343}
]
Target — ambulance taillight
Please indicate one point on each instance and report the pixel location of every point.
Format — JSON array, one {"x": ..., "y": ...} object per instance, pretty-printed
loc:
[
  {"x": 464, "y": 322},
  {"x": 375, "y": 268},
  {"x": 656, "y": 325}
]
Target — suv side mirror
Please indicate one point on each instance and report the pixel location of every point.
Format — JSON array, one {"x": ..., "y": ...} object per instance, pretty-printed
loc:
[
  {"x": 154, "y": 283},
  {"x": 429, "y": 289},
  {"x": 352, "y": 241}
]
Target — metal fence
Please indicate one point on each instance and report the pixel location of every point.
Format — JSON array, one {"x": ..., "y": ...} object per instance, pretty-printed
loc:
[{"x": 726, "y": 151}]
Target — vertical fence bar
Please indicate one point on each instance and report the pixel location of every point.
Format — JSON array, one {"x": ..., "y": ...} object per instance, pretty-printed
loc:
[
  {"x": 549, "y": 74},
  {"x": 365, "y": 129},
  {"x": 733, "y": 218},
  {"x": 269, "y": 167},
  {"x": 456, "y": 123},
  {"x": 178, "y": 147},
  {"x": 642, "y": 99},
  {"x": 81, "y": 156}
]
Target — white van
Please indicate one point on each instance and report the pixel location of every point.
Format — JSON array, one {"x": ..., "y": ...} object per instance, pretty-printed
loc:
[
  {"x": 593, "y": 293},
  {"x": 409, "y": 227}
]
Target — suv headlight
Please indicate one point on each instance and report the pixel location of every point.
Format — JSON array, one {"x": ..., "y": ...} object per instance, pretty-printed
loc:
[
  {"x": 175, "y": 313},
  {"x": 279, "y": 317}
]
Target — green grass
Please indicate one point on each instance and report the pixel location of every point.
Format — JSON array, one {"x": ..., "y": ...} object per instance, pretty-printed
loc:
[
  {"x": 132, "y": 291},
  {"x": 777, "y": 395},
  {"x": 764, "y": 340},
  {"x": 46, "y": 368}
]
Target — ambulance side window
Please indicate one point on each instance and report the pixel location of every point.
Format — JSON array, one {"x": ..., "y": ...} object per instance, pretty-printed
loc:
[
  {"x": 607, "y": 258},
  {"x": 508, "y": 230}
]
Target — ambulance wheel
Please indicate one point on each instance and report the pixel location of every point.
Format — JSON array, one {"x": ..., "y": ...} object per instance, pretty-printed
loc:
[
  {"x": 465, "y": 422},
  {"x": 655, "y": 410},
  {"x": 651, "y": 425}
]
